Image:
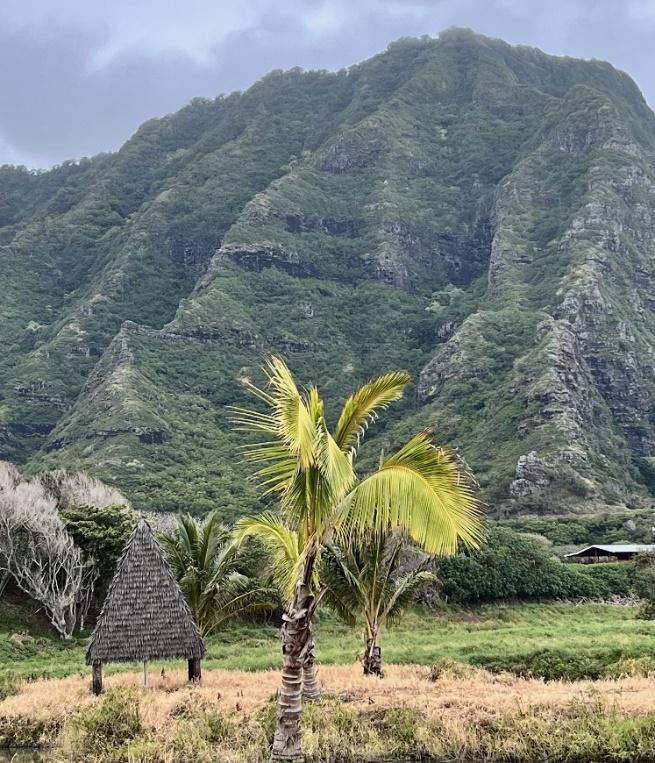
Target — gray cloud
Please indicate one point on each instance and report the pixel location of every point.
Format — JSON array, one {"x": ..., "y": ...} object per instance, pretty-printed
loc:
[{"x": 81, "y": 80}]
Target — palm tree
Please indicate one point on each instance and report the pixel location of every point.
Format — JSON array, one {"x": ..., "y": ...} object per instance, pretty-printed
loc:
[
  {"x": 312, "y": 471},
  {"x": 284, "y": 547},
  {"x": 364, "y": 582},
  {"x": 205, "y": 563}
]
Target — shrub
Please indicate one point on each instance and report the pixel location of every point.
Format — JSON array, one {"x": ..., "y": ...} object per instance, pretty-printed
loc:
[
  {"x": 631, "y": 666},
  {"x": 9, "y": 685},
  {"x": 101, "y": 533},
  {"x": 107, "y": 726},
  {"x": 189, "y": 745},
  {"x": 400, "y": 726},
  {"x": 23, "y": 731},
  {"x": 144, "y": 751},
  {"x": 552, "y": 664},
  {"x": 213, "y": 725},
  {"x": 514, "y": 566},
  {"x": 447, "y": 667},
  {"x": 644, "y": 584},
  {"x": 333, "y": 730},
  {"x": 568, "y": 665}
]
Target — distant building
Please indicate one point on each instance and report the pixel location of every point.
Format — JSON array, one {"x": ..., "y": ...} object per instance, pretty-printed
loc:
[{"x": 618, "y": 552}]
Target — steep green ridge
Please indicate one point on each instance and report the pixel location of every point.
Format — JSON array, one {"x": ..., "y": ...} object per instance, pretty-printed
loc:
[{"x": 477, "y": 213}]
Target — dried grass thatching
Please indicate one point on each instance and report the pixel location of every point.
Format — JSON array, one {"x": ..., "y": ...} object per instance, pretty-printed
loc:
[{"x": 145, "y": 615}]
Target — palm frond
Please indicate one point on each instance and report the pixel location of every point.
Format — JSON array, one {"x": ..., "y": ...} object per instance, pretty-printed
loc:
[
  {"x": 421, "y": 490},
  {"x": 404, "y": 593},
  {"x": 176, "y": 558},
  {"x": 315, "y": 405},
  {"x": 384, "y": 562},
  {"x": 212, "y": 536},
  {"x": 344, "y": 592},
  {"x": 261, "y": 452},
  {"x": 277, "y": 477},
  {"x": 335, "y": 466},
  {"x": 282, "y": 544},
  {"x": 204, "y": 561},
  {"x": 296, "y": 425},
  {"x": 362, "y": 407},
  {"x": 248, "y": 420},
  {"x": 291, "y": 417},
  {"x": 239, "y": 595}
]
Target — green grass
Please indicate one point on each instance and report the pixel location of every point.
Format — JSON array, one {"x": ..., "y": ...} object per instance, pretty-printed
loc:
[{"x": 553, "y": 640}]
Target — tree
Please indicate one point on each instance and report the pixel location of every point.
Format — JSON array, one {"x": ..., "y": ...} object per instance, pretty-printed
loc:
[
  {"x": 205, "y": 563},
  {"x": 101, "y": 533},
  {"x": 365, "y": 582},
  {"x": 40, "y": 555},
  {"x": 312, "y": 471},
  {"x": 284, "y": 547},
  {"x": 71, "y": 489},
  {"x": 9, "y": 479}
]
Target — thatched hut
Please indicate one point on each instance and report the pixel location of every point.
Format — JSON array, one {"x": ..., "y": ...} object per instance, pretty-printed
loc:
[{"x": 145, "y": 616}]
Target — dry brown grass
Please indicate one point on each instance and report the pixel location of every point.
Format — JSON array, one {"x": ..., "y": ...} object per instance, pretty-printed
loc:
[
  {"x": 480, "y": 694},
  {"x": 453, "y": 709}
]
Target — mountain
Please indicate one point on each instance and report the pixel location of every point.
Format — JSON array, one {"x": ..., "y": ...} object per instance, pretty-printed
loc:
[{"x": 480, "y": 214}]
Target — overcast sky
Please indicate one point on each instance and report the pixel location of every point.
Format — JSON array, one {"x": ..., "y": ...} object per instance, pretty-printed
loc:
[{"x": 79, "y": 76}]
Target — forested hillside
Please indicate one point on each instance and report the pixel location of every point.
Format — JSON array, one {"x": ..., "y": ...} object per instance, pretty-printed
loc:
[{"x": 480, "y": 214}]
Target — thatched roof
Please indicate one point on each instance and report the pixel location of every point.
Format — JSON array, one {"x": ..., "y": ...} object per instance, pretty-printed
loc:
[{"x": 145, "y": 615}]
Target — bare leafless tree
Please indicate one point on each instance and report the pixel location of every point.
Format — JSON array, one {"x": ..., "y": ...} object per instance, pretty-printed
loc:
[
  {"x": 71, "y": 489},
  {"x": 38, "y": 553},
  {"x": 9, "y": 478}
]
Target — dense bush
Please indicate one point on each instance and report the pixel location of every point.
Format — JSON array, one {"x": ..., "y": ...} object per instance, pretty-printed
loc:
[
  {"x": 9, "y": 685},
  {"x": 552, "y": 664},
  {"x": 514, "y": 566},
  {"x": 101, "y": 533},
  {"x": 570, "y": 664},
  {"x": 102, "y": 729},
  {"x": 644, "y": 584}
]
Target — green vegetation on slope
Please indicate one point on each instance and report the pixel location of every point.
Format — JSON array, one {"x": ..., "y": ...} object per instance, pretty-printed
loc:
[{"x": 476, "y": 213}]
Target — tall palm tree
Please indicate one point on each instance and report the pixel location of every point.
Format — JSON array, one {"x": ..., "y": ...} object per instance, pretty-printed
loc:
[
  {"x": 205, "y": 563},
  {"x": 312, "y": 471},
  {"x": 364, "y": 582},
  {"x": 284, "y": 547}
]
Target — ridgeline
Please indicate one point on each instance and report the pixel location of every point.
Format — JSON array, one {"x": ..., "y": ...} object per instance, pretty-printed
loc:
[{"x": 480, "y": 214}]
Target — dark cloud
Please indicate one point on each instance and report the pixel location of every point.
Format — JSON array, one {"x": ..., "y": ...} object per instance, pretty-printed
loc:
[{"x": 82, "y": 80}]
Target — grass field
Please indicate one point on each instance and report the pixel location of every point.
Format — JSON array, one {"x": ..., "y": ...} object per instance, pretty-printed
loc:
[
  {"x": 462, "y": 713},
  {"x": 428, "y": 704},
  {"x": 549, "y": 640}
]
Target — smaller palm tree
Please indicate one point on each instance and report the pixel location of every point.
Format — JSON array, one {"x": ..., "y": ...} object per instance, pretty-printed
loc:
[
  {"x": 365, "y": 582},
  {"x": 205, "y": 563}
]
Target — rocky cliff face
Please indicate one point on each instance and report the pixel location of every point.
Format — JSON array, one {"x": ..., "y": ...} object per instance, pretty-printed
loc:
[{"x": 477, "y": 213}]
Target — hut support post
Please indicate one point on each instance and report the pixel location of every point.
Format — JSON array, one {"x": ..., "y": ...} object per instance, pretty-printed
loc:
[
  {"x": 145, "y": 673},
  {"x": 195, "y": 671},
  {"x": 97, "y": 678}
]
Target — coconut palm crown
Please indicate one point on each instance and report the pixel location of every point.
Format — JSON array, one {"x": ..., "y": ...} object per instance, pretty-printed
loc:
[{"x": 311, "y": 469}]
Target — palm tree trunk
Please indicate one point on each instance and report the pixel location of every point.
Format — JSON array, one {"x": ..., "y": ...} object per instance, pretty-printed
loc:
[
  {"x": 372, "y": 659},
  {"x": 296, "y": 644},
  {"x": 311, "y": 689}
]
